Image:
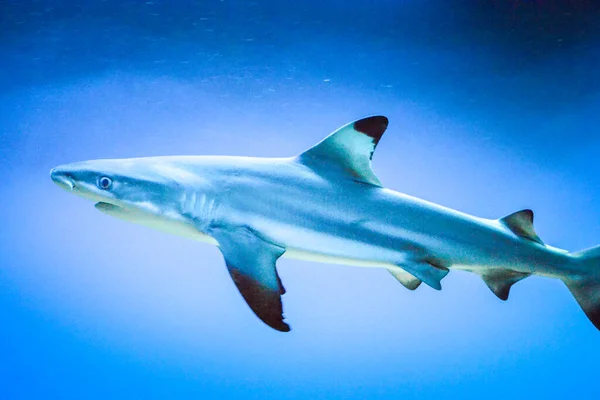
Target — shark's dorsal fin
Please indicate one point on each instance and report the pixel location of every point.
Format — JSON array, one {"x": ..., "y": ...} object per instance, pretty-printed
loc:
[
  {"x": 350, "y": 147},
  {"x": 521, "y": 224}
]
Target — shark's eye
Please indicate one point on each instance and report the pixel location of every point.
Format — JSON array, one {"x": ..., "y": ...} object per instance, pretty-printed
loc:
[{"x": 104, "y": 183}]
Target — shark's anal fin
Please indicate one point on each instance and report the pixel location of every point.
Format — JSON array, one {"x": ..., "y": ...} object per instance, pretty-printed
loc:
[
  {"x": 349, "y": 149},
  {"x": 500, "y": 281},
  {"x": 406, "y": 279},
  {"x": 425, "y": 271},
  {"x": 521, "y": 224},
  {"x": 251, "y": 263}
]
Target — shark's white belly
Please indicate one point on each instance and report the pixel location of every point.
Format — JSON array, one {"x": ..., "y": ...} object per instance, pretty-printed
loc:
[
  {"x": 172, "y": 225},
  {"x": 315, "y": 246},
  {"x": 298, "y": 254},
  {"x": 184, "y": 229}
]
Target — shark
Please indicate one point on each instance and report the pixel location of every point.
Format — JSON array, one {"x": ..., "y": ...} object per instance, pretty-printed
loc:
[{"x": 323, "y": 205}]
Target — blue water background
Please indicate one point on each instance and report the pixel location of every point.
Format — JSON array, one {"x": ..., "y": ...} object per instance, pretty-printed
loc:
[{"x": 493, "y": 108}]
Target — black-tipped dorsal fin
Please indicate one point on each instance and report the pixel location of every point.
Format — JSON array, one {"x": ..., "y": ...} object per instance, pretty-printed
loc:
[
  {"x": 350, "y": 147},
  {"x": 521, "y": 224}
]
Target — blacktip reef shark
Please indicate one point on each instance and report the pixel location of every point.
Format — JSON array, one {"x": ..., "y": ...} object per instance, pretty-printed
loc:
[{"x": 324, "y": 205}]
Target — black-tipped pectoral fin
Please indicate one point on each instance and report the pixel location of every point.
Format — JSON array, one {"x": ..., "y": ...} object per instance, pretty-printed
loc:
[{"x": 251, "y": 263}]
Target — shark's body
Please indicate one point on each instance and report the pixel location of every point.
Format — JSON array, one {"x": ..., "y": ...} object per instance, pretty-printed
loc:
[{"x": 324, "y": 205}]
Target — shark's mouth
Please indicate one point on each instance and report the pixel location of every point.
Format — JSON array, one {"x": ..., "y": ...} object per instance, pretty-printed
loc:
[
  {"x": 102, "y": 206},
  {"x": 108, "y": 208},
  {"x": 122, "y": 212},
  {"x": 128, "y": 213}
]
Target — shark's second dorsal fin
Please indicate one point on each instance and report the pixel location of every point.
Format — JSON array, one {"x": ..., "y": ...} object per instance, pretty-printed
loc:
[
  {"x": 521, "y": 224},
  {"x": 350, "y": 147}
]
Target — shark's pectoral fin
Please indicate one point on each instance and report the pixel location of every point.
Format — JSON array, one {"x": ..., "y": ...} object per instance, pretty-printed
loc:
[
  {"x": 425, "y": 271},
  {"x": 500, "y": 281},
  {"x": 349, "y": 149},
  {"x": 406, "y": 279},
  {"x": 251, "y": 263}
]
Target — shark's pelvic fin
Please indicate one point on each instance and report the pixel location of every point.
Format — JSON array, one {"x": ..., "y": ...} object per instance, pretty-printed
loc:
[
  {"x": 500, "y": 281},
  {"x": 425, "y": 271},
  {"x": 350, "y": 147},
  {"x": 521, "y": 224},
  {"x": 406, "y": 279},
  {"x": 251, "y": 263}
]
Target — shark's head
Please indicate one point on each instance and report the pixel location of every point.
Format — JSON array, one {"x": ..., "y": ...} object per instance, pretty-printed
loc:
[{"x": 130, "y": 185}]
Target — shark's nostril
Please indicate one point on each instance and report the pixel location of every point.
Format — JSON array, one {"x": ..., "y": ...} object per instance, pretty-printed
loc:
[{"x": 62, "y": 178}]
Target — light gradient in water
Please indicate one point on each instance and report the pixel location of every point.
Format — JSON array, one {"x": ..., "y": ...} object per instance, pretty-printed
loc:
[{"x": 492, "y": 109}]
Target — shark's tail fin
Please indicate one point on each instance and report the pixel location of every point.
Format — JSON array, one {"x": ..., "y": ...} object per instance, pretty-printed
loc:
[{"x": 586, "y": 288}]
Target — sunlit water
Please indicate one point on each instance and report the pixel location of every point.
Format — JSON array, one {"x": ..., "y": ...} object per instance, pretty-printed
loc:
[{"x": 492, "y": 109}]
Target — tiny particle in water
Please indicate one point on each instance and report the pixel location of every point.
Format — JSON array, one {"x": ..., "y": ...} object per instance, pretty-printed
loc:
[{"x": 326, "y": 80}]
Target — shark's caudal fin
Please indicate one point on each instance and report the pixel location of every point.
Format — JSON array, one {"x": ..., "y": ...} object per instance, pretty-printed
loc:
[
  {"x": 349, "y": 148},
  {"x": 586, "y": 288}
]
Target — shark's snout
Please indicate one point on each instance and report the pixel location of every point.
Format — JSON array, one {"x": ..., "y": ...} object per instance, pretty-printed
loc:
[{"x": 62, "y": 178}]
